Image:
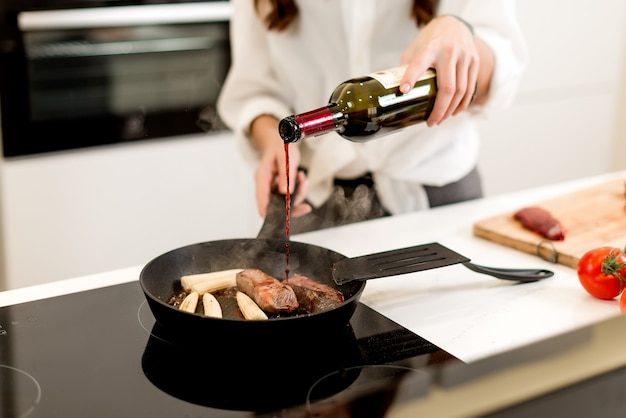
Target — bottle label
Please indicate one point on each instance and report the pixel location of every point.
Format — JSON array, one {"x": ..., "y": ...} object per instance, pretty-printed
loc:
[
  {"x": 394, "y": 99},
  {"x": 391, "y": 77}
]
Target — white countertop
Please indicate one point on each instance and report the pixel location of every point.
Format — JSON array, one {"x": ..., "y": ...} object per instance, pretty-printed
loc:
[{"x": 470, "y": 315}]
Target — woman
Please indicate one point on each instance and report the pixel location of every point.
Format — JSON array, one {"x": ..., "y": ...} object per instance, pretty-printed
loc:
[{"x": 289, "y": 55}]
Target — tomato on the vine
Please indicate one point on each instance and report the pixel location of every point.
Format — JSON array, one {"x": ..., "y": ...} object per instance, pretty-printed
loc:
[
  {"x": 602, "y": 272},
  {"x": 622, "y": 302}
]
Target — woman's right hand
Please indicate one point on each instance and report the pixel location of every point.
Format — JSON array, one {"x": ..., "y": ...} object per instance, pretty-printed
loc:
[
  {"x": 270, "y": 175},
  {"x": 462, "y": 62}
]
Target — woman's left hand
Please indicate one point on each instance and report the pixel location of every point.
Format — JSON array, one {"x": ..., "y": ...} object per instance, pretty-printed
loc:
[{"x": 447, "y": 45}]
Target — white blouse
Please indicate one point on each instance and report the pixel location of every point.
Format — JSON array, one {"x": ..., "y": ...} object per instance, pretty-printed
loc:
[{"x": 282, "y": 73}]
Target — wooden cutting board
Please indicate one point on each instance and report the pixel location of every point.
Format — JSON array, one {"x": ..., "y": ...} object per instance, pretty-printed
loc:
[{"x": 592, "y": 217}]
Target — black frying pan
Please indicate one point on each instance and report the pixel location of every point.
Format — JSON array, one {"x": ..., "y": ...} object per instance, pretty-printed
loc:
[{"x": 160, "y": 279}]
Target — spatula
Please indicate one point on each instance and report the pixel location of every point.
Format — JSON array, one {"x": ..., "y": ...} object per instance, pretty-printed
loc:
[{"x": 419, "y": 258}]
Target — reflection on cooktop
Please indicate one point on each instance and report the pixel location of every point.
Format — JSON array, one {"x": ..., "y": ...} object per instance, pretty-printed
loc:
[
  {"x": 20, "y": 392},
  {"x": 101, "y": 353},
  {"x": 364, "y": 390}
]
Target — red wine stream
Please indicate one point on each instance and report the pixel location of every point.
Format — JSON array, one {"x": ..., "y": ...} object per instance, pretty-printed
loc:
[{"x": 287, "y": 213}]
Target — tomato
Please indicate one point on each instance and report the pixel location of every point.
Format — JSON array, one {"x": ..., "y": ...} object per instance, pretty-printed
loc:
[
  {"x": 622, "y": 302},
  {"x": 602, "y": 272}
]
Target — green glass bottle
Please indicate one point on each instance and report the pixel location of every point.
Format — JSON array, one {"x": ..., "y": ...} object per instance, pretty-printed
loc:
[{"x": 366, "y": 108}]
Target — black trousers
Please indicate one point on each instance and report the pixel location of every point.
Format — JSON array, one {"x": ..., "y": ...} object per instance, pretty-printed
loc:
[{"x": 468, "y": 188}]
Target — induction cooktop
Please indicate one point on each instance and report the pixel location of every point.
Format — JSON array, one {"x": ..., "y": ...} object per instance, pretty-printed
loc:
[{"x": 100, "y": 353}]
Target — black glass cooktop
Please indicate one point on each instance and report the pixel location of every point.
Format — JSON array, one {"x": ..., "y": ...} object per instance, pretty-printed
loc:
[{"x": 99, "y": 353}]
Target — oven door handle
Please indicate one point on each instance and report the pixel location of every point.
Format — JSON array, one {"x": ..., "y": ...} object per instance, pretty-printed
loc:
[{"x": 150, "y": 14}]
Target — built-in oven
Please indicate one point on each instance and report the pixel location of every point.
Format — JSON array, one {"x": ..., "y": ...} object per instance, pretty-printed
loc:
[{"x": 84, "y": 73}]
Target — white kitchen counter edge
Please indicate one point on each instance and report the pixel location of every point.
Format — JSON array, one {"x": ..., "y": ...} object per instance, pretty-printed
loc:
[{"x": 72, "y": 285}]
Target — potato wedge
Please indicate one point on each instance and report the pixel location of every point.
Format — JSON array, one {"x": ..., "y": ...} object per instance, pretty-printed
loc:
[
  {"x": 190, "y": 303},
  {"x": 248, "y": 308},
  {"x": 212, "y": 307}
]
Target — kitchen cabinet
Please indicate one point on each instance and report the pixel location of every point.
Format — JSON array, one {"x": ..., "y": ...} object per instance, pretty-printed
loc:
[
  {"x": 582, "y": 381},
  {"x": 80, "y": 212}
]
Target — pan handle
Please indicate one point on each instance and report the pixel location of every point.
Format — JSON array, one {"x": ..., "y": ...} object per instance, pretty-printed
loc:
[{"x": 518, "y": 275}]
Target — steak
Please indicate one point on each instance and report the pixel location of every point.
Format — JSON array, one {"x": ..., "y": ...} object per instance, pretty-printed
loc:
[
  {"x": 542, "y": 222},
  {"x": 269, "y": 293},
  {"x": 314, "y": 296}
]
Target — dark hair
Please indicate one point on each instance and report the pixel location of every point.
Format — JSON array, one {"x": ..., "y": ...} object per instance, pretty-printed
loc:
[{"x": 280, "y": 13}]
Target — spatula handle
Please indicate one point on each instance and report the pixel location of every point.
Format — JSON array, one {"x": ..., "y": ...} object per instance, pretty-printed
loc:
[{"x": 518, "y": 275}]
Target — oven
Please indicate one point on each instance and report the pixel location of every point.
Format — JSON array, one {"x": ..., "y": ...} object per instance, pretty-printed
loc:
[{"x": 85, "y": 73}]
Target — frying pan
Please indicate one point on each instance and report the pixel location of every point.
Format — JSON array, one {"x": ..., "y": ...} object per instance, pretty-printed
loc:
[{"x": 160, "y": 279}]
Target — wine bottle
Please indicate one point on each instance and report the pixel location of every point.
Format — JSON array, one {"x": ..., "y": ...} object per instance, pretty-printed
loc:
[{"x": 365, "y": 108}]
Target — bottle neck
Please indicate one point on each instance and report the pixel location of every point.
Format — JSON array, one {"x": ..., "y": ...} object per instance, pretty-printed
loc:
[{"x": 315, "y": 122}]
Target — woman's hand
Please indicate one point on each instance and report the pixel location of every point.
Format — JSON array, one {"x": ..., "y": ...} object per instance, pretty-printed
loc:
[
  {"x": 270, "y": 175},
  {"x": 460, "y": 59}
]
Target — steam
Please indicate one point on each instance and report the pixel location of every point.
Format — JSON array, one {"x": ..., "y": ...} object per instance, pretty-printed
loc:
[{"x": 344, "y": 206}]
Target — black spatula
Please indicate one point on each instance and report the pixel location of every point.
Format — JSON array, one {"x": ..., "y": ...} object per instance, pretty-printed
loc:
[{"x": 419, "y": 258}]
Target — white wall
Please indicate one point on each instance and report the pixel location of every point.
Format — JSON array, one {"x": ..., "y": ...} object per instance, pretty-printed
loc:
[
  {"x": 565, "y": 121},
  {"x": 619, "y": 156},
  {"x": 86, "y": 211}
]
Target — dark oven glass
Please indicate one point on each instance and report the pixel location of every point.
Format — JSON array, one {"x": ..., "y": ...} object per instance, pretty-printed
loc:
[{"x": 68, "y": 85}]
